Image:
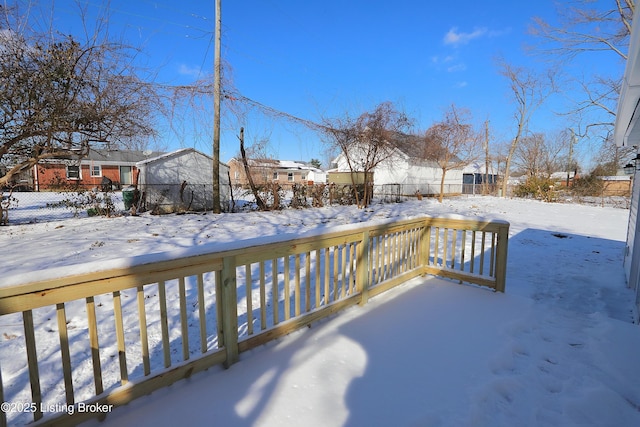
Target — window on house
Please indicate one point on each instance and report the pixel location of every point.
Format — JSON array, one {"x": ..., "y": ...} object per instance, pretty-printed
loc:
[
  {"x": 275, "y": 176},
  {"x": 304, "y": 177},
  {"x": 73, "y": 172},
  {"x": 290, "y": 176},
  {"x": 96, "y": 170},
  {"x": 126, "y": 175}
]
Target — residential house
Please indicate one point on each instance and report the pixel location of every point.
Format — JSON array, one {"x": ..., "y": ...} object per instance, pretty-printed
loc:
[
  {"x": 627, "y": 133},
  {"x": 92, "y": 170},
  {"x": 284, "y": 172},
  {"x": 180, "y": 181},
  {"x": 407, "y": 171}
]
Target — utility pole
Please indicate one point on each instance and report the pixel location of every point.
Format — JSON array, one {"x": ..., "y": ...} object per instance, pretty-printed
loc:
[
  {"x": 216, "y": 109},
  {"x": 485, "y": 186},
  {"x": 573, "y": 141}
]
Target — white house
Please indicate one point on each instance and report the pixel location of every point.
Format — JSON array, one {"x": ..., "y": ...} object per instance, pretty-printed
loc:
[
  {"x": 181, "y": 181},
  {"x": 627, "y": 133},
  {"x": 405, "y": 169}
]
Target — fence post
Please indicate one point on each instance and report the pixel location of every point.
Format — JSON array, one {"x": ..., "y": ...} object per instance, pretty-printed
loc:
[
  {"x": 228, "y": 304},
  {"x": 501, "y": 257},
  {"x": 363, "y": 268}
]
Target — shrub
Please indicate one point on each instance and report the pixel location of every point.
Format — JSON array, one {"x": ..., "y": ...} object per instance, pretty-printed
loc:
[
  {"x": 299, "y": 197},
  {"x": 590, "y": 185},
  {"x": 538, "y": 188},
  {"x": 95, "y": 202}
]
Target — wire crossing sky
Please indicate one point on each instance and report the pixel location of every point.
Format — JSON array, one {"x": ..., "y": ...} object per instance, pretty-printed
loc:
[{"x": 315, "y": 60}]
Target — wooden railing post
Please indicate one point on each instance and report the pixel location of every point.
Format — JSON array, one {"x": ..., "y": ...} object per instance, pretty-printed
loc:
[
  {"x": 501, "y": 257},
  {"x": 363, "y": 268},
  {"x": 425, "y": 244},
  {"x": 228, "y": 304},
  {"x": 32, "y": 361}
]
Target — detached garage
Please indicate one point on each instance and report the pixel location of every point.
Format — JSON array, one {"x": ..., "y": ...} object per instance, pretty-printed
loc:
[{"x": 180, "y": 181}]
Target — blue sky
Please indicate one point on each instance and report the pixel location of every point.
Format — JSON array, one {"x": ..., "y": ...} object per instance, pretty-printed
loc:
[{"x": 315, "y": 59}]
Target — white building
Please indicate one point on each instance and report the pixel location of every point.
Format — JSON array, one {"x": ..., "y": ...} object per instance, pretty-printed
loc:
[
  {"x": 627, "y": 133},
  {"x": 181, "y": 181},
  {"x": 475, "y": 175},
  {"x": 410, "y": 173}
]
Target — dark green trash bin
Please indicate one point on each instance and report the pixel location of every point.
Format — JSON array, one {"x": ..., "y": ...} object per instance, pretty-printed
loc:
[{"x": 127, "y": 197}]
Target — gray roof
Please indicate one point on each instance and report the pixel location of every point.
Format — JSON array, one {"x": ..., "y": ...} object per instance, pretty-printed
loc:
[
  {"x": 163, "y": 156},
  {"x": 120, "y": 156}
]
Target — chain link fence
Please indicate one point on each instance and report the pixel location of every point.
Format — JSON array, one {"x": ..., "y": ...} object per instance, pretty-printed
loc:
[{"x": 26, "y": 207}]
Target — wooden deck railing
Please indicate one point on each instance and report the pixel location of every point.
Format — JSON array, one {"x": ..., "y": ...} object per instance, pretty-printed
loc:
[{"x": 122, "y": 333}]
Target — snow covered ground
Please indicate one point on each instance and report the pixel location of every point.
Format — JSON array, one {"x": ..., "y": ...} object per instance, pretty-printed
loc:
[{"x": 558, "y": 348}]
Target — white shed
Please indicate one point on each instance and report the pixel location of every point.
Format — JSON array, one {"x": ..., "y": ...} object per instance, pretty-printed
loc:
[{"x": 181, "y": 181}]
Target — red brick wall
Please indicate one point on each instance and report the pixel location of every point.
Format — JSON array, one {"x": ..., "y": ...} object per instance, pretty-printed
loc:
[{"x": 53, "y": 175}]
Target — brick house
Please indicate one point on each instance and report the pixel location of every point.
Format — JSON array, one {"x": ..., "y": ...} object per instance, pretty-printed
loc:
[
  {"x": 284, "y": 172},
  {"x": 119, "y": 166}
]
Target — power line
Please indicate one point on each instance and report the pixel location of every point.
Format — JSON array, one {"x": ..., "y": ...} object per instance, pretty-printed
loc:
[
  {"x": 173, "y": 9},
  {"x": 233, "y": 96},
  {"x": 148, "y": 17}
]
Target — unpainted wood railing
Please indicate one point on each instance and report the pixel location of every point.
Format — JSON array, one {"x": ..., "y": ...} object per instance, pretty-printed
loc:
[{"x": 122, "y": 333}]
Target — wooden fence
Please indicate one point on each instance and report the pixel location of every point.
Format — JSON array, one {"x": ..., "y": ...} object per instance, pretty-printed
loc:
[{"x": 122, "y": 333}]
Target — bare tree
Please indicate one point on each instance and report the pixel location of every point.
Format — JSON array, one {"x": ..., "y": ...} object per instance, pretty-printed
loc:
[
  {"x": 529, "y": 92},
  {"x": 258, "y": 169},
  {"x": 453, "y": 143},
  {"x": 611, "y": 158},
  {"x": 60, "y": 96},
  {"x": 585, "y": 29},
  {"x": 528, "y": 156},
  {"x": 541, "y": 155},
  {"x": 254, "y": 189},
  {"x": 365, "y": 142}
]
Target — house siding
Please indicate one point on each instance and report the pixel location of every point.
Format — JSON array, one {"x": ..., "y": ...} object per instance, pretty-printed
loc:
[
  {"x": 260, "y": 175},
  {"x": 51, "y": 174},
  {"x": 627, "y": 133},
  {"x": 54, "y": 175},
  {"x": 411, "y": 174},
  {"x": 632, "y": 257},
  {"x": 392, "y": 171}
]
